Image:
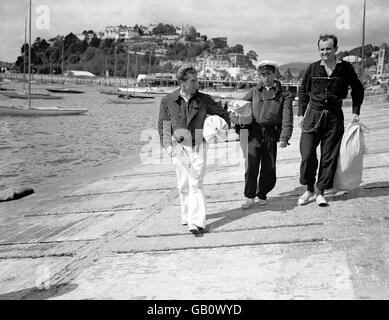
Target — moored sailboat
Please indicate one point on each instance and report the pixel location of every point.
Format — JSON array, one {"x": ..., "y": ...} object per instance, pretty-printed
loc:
[
  {"x": 131, "y": 98},
  {"x": 36, "y": 111},
  {"x": 24, "y": 95}
]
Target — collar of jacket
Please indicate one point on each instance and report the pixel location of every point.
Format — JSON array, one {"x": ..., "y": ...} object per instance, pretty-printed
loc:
[
  {"x": 176, "y": 96},
  {"x": 270, "y": 94},
  {"x": 336, "y": 61}
]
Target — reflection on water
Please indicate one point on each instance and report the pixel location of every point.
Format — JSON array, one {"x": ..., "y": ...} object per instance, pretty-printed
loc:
[{"x": 35, "y": 149}]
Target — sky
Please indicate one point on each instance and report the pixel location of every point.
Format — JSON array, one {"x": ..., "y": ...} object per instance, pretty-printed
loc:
[{"x": 280, "y": 30}]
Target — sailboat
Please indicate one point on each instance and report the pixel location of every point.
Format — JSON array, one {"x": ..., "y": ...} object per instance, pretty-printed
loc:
[
  {"x": 35, "y": 111},
  {"x": 126, "y": 98},
  {"x": 114, "y": 91},
  {"x": 24, "y": 94},
  {"x": 6, "y": 89},
  {"x": 63, "y": 89}
]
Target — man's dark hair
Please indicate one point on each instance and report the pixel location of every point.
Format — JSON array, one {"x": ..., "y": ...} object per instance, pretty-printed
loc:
[
  {"x": 182, "y": 73},
  {"x": 325, "y": 37}
]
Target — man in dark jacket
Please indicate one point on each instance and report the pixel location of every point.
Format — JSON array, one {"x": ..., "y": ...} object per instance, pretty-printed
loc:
[
  {"x": 180, "y": 125},
  {"x": 324, "y": 86},
  {"x": 273, "y": 122}
]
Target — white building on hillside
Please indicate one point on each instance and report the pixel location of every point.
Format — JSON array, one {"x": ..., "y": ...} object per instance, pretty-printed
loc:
[
  {"x": 78, "y": 73},
  {"x": 119, "y": 32},
  {"x": 216, "y": 62},
  {"x": 352, "y": 59}
]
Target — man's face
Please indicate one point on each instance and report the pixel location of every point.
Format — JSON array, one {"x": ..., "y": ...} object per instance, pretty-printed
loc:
[
  {"x": 267, "y": 77},
  {"x": 191, "y": 84},
  {"x": 326, "y": 50}
]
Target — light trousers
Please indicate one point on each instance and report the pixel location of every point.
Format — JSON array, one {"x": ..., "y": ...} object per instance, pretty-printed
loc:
[{"x": 190, "y": 164}]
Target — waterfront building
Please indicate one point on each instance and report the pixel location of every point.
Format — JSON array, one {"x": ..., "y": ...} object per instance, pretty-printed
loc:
[
  {"x": 160, "y": 52},
  {"x": 352, "y": 59},
  {"x": 79, "y": 74},
  {"x": 119, "y": 33},
  {"x": 240, "y": 60},
  {"x": 210, "y": 73},
  {"x": 219, "y": 43},
  {"x": 213, "y": 61},
  {"x": 170, "y": 39}
]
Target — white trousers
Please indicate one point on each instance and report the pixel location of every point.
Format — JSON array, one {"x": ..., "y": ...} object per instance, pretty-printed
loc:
[{"x": 189, "y": 164}]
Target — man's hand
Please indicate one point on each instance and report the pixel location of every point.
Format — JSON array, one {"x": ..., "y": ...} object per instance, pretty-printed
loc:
[
  {"x": 300, "y": 120},
  {"x": 355, "y": 118},
  {"x": 284, "y": 144}
]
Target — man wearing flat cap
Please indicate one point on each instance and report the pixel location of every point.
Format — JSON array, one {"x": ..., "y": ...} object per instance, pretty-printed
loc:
[{"x": 273, "y": 122}]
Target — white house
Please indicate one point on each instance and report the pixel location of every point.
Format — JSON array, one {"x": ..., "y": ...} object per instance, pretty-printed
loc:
[
  {"x": 78, "y": 73},
  {"x": 352, "y": 59}
]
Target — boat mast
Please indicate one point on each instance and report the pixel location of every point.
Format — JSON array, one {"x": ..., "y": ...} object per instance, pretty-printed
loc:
[
  {"x": 29, "y": 60},
  {"x": 114, "y": 70},
  {"x": 128, "y": 65},
  {"x": 24, "y": 59},
  {"x": 136, "y": 71},
  {"x": 63, "y": 55},
  {"x": 148, "y": 78},
  {"x": 363, "y": 41}
]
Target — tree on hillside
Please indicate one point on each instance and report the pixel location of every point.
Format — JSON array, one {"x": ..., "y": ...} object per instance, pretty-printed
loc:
[
  {"x": 40, "y": 44},
  {"x": 288, "y": 75},
  {"x": 252, "y": 55},
  {"x": 108, "y": 45},
  {"x": 191, "y": 34},
  {"x": 73, "y": 45},
  {"x": 94, "y": 42},
  {"x": 138, "y": 30},
  {"x": 236, "y": 49},
  {"x": 85, "y": 33},
  {"x": 164, "y": 29}
]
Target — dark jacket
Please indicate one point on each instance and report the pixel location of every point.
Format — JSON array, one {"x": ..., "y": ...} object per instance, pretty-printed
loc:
[
  {"x": 323, "y": 92},
  {"x": 273, "y": 107},
  {"x": 186, "y": 125}
]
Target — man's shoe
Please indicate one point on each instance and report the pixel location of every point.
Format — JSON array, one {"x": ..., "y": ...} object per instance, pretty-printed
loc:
[
  {"x": 321, "y": 201},
  {"x": 248, "y": 203},
  {"x": 304, "y": 198},
  {"x": 195, "y": 229},
  {"x": 262, "y": 202}
]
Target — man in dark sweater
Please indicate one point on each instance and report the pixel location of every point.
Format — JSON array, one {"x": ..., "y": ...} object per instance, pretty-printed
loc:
[
  {"x": 320, "y": 116},
  {"x": 273, "y": 122}
]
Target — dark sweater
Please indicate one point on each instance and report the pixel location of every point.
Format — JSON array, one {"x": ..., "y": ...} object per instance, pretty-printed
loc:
[{"x": 323, "y": 92}]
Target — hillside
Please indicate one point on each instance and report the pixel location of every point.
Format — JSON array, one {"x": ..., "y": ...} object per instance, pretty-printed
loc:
[{"x": 294, "y": 67}]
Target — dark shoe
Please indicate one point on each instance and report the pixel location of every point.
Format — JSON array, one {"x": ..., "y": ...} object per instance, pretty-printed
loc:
[{"x": 195, "y": 229}]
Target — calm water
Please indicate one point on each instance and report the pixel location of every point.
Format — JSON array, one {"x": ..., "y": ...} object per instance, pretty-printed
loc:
[{"x": 34, "y": 150}]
